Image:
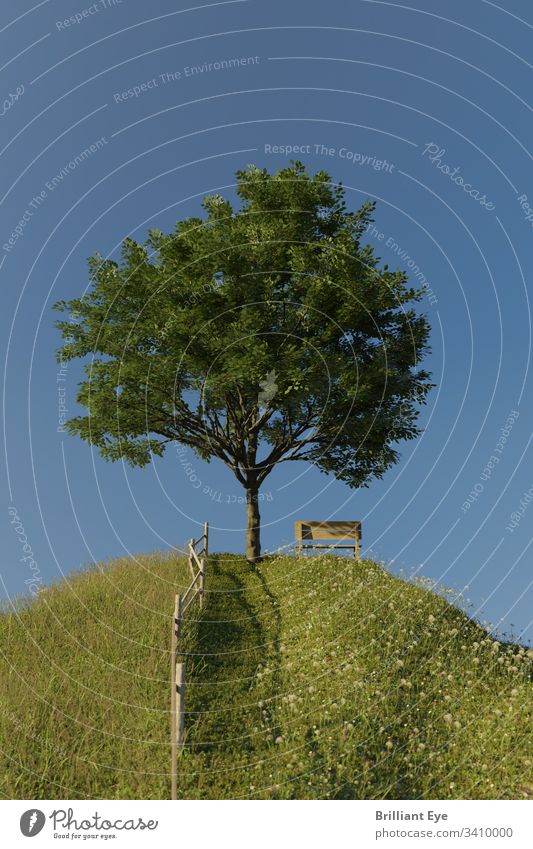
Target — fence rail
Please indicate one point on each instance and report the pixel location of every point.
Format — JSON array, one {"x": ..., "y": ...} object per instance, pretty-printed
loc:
[{"x": 182, "y": 603}]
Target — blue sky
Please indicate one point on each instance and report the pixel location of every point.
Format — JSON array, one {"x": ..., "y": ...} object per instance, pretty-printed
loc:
[{"x": 422, "y": 108}]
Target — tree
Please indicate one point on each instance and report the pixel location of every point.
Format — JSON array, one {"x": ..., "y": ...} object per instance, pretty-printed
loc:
[{"x": 258, "y": 335}]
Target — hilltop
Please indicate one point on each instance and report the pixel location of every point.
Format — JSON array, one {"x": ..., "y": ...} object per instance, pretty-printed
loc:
[{"x": 311, "y": 678}]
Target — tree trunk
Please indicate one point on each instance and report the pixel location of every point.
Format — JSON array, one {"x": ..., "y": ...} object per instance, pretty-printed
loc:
[{"x": 253, "y": 526}]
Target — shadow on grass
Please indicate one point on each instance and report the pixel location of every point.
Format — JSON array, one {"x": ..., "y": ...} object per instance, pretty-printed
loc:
[{"x": 237, "y": 633}]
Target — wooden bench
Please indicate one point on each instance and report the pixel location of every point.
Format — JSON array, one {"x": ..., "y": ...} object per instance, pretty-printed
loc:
[{"x": 349, "y": 532}]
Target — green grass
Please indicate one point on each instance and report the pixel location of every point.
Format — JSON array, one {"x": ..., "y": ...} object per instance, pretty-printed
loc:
[{"x": 312, "y": 678}]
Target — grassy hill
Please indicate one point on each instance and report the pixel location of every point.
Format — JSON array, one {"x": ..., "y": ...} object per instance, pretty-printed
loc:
[{"x": 312, "y": 678}]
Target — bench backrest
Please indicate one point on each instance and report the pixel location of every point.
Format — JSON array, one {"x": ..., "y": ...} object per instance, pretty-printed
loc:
[{"x": 327, "y": 530}]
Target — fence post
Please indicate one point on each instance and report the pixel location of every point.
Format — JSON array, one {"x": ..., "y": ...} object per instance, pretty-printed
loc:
[
  {"x": 173, "y": 723},
  {"x": 191, "y": 564},
  {"x": 180, "y": 705},
  {"x": 202, "y": 582},
  {"x": 177, "y": 674},
  {"x": 179, "y": 618}
]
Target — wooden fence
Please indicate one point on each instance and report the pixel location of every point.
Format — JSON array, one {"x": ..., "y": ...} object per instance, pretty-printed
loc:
[{"x": 196, "y": 589}]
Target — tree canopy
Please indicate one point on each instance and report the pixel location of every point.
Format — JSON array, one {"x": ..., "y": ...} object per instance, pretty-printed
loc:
[{"x": 261, "y": 334}]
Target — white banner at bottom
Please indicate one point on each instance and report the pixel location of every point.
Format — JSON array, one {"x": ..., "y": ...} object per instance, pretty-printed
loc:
[{"x": 262, "y": 824}]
